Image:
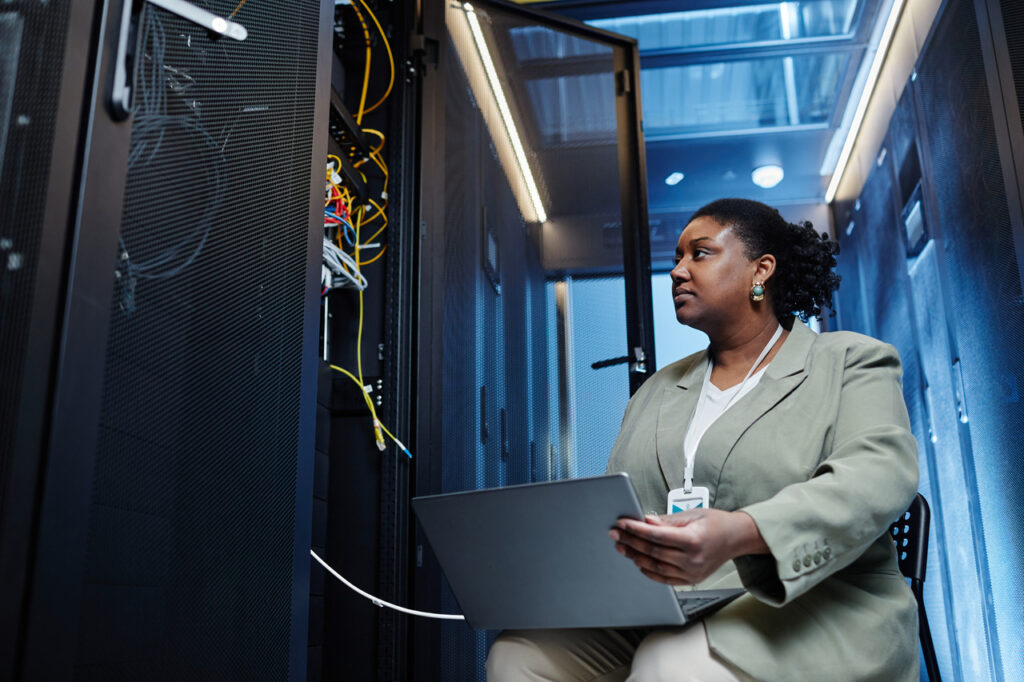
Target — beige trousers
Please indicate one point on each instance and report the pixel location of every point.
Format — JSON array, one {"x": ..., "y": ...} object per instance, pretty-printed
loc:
[{"x": 675, "y": 655}]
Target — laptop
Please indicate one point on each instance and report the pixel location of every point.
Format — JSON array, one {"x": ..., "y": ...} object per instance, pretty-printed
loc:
[{"x": 539, "y": 556}]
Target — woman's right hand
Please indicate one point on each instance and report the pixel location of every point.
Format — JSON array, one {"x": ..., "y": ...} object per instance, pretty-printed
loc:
[{"x": 686, "y": 548}]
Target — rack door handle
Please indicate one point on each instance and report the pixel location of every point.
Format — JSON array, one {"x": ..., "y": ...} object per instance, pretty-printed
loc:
[
  {"x": 128, "y": 37},
  {"x": 208, "y": 20}
]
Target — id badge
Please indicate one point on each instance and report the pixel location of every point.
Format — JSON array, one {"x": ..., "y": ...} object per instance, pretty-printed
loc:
[{"x": 679, "y": 501}]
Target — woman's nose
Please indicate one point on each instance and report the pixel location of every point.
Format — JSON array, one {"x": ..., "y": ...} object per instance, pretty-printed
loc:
[{"x": 679, "y": 273}]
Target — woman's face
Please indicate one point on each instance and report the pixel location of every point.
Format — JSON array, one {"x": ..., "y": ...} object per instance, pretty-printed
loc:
[{"x": 712, "y": 276}]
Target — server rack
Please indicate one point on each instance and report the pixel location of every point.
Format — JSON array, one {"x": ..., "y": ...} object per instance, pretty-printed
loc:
[
  {"x": 156, "y": 494},
  {"x": 940, "y": 218}
]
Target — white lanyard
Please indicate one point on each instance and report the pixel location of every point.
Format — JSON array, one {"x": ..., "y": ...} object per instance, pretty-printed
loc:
[{"x": 691, "y": 451}]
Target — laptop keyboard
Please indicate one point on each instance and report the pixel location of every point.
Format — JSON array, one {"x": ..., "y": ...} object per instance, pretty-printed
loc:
[{"x": 691, "y": 605}]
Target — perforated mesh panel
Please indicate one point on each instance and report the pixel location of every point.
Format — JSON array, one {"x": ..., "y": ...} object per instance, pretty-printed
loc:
[
  {"x": 31, "y": 61},
  {"x": 891, "y": 305},
  {"x": 189, "y": 572},
  {"x": 985, "y": 302}
]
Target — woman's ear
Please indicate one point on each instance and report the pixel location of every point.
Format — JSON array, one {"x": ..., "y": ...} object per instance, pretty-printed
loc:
[{"x": 765, "y": 268}]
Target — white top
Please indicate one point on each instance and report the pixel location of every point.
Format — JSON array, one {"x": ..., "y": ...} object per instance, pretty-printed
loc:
[
  {"x": 716, "y": 402},
  {"x": 713, "y": 401}
]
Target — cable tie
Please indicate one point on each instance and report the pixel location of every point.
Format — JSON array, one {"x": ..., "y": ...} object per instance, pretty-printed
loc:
[
  {"x": 377, "y": 603},
  {"x": 371, "y": 245}
]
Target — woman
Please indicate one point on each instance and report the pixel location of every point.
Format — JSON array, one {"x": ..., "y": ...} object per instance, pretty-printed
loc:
[{"x": 795, "y": 448}]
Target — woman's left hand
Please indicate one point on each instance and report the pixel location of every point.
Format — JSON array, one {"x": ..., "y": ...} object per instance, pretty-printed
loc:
[{"x": 685, "y": 548}]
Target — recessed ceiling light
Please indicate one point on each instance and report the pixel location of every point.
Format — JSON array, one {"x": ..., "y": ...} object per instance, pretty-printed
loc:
[
  {"x": 674, "y": 179},
  {"x": 767, "y": 176}
]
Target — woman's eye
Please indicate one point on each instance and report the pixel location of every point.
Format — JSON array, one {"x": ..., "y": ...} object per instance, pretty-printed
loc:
[{"x": 699, "y": 253}]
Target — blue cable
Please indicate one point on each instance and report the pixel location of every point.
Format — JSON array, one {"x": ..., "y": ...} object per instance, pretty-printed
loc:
[{"x": 348, "y": 228}]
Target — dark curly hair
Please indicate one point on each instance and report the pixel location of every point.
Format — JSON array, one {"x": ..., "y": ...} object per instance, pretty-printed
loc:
[{"x": 803, "y": 281}]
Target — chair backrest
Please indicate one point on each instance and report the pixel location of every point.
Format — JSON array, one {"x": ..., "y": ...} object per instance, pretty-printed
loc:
[{"x": 910, "y": 533}]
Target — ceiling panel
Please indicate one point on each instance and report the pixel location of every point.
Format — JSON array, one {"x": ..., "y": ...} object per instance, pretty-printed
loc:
[
  {"x": 726, "y": 86},
  {"x": 741, "y": 94},
  {"x": 735, "y": 26}
]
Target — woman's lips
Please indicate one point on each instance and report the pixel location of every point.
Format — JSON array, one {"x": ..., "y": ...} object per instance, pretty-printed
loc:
[{"x": 681, "y": 296}]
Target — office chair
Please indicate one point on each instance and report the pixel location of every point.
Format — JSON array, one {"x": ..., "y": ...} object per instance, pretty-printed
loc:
[{"x": 910, "y": 533}]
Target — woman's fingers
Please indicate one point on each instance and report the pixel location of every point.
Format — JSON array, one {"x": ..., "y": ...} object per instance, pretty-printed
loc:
[
  {"x": 675, "y": 553},
  {"x": 675, "y": 537},
  {"x": 657, "y": 577},
  {"x": 637, "y": 542},
  {"x": 668, "y": 562},
  {"x": 671, "y": 566}
]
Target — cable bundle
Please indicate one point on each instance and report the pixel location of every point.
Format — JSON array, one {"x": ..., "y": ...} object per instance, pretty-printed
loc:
[
  {"x": 154, "y": 127},
  {"x": 346, "y": 221}
]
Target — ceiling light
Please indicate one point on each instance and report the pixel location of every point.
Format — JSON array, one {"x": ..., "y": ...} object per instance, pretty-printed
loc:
[
  {"x": 767, "y": 176},
  {"x": 674, "y": 178}
]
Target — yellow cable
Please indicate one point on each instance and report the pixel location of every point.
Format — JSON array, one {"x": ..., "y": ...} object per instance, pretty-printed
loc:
[
  {"x": 375, "y": 216},
  {"x": 373, "y": 151},
  {"x": 240, "y": 5},
  {"x": 383, "y": 167},
  {"x": 391, "y": 57},
  {"x": 359, "y": 339},
  {"x": 366, "y": 397},
  {"x": 366, "y": 70},
  {"x": 380, "y": 213},
  {"x": 369, "y": 404},
  {"x": 367, "y": 262},
  {"x": 375, "y": 234}
]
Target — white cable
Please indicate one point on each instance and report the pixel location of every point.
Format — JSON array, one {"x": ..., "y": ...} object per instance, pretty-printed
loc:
[
  {"x": 343, "y": 265},
  {"x": 381, "y": 602}
]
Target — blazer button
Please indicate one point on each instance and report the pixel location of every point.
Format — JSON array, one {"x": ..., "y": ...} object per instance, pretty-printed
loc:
[
  {"x": 807, "y": 560},
  {"x": 796, "y": 564},
  {"x": 817, "y": 558}
]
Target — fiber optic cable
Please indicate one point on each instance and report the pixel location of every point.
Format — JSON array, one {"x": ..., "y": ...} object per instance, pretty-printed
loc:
[
  {"x": 380, "y": 602},
  {"x": 366, "y": 69},
  {"x": 373, "y": 412},
  {"x": 359, "y": 345},
  {"x": 391, "y": 57}
]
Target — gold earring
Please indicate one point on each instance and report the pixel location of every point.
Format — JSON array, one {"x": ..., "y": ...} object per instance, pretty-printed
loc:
[{"x": 757, "y": 291}]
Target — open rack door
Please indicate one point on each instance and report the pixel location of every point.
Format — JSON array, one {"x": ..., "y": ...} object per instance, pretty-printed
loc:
[
  {"x": 156, "y": 497},
  {"x": 534, "y": 267}
]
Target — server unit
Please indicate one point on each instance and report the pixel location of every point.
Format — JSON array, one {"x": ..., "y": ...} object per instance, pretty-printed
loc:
[
  {"x": 940, "y": 221},
  {"x": 161, "y": 236}
]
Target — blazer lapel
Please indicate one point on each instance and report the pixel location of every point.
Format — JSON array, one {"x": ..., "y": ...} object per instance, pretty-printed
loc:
[
  {"x": 677, "y": 406},
  {"x": 786, "y": 372}
]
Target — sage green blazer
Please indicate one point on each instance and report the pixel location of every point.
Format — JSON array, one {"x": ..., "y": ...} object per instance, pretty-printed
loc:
[{"x": 820, "y": 454}]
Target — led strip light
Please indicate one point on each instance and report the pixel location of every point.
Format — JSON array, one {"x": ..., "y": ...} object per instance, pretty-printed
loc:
[
  {"x": 506, "y": 113},
  {"x": 865, "y": 97}
]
